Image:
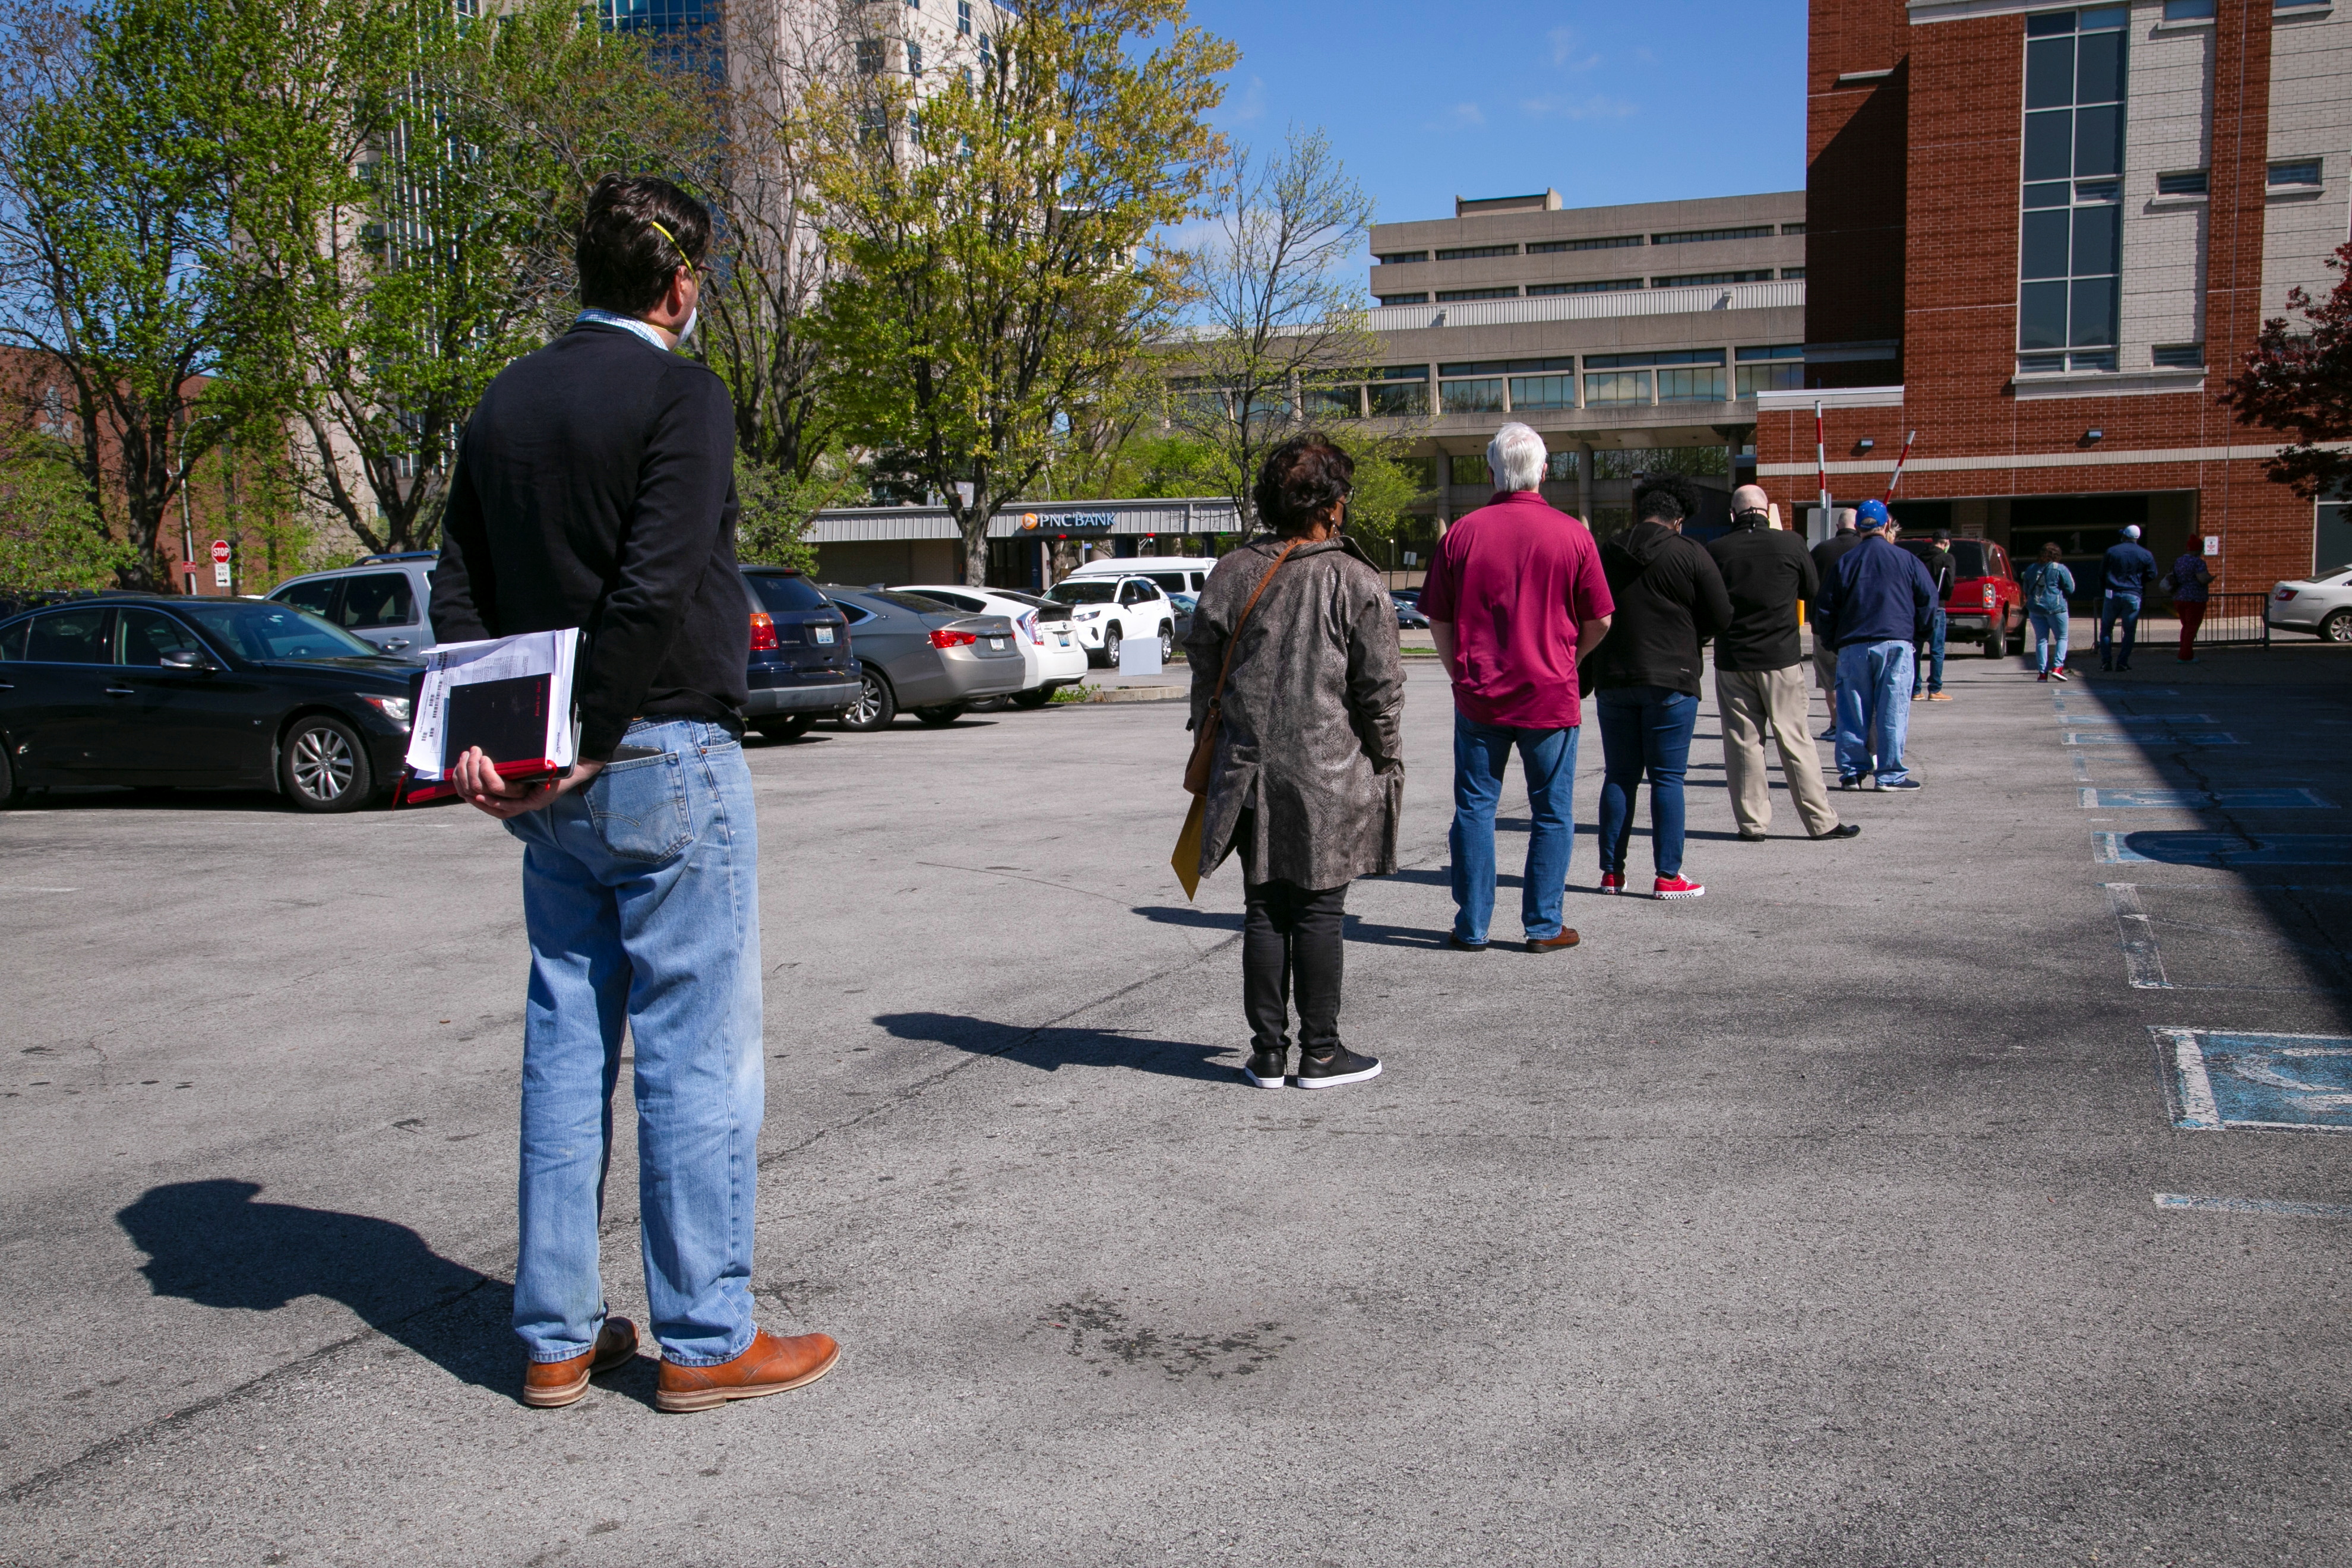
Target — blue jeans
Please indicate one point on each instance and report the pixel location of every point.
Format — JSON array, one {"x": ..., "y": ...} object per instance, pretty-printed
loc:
[
  {"x": 1932, "y": 651},
  {"x": 1874, "y": 710},
  {"x": 641, "y": 893},
  {"x": 2115, "y": 607},
  {"x": 1644, "y": 728},
  {"x": 2050, "y": 629},
  {"x": 1481, "y": 752}
]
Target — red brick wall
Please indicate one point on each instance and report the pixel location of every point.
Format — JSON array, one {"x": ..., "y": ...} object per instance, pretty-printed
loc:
[{"x": 1854, "y": 185}]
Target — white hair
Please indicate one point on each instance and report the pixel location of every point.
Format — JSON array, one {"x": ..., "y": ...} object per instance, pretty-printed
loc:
[
  {"x": 2131, "y": 531},
  {"x": 1515, "y": 458}
]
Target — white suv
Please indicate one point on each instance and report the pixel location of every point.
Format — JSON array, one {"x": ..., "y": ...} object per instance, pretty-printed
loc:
[{"x": 1108, "y": 610}]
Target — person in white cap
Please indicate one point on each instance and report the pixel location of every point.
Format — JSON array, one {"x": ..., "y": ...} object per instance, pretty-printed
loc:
[{"x": 2129, "y": 569}]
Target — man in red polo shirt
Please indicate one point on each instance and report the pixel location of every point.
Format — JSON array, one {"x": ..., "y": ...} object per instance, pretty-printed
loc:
[{"x": 1514, "y": 597}]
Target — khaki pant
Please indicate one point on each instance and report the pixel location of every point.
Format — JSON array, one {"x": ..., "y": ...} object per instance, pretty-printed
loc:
[
  {"x": 1825, "y": 669},
  {"x": 1748, "y": 700}
]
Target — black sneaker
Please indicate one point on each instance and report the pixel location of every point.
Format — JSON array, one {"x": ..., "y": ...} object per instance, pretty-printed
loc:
[
  {"x": 1842, "y": 830},
  {"x": 1342, "y": 1066},
  {"x": 1265, "y": 1069},
  {"x": 1849, "y": 780}
]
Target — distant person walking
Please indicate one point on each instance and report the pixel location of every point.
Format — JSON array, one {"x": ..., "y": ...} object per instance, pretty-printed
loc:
[
  {"x": 1927, "y": 672},
  {"x": 1874, "y": 609},
  {"x": 2192, "y": 588},
  {"x": 594, "y": 487},
  {"x": 1645, "y": 677},
  {"x": 1514, "y": 597},
  {"x": 1760, "y": 672},
  {"x": 1308, "y": 774},
  {"x": 1826, "y": 556},
  {"x": 2129, "y": 570},
  {"x": 2048, "y": 585}
]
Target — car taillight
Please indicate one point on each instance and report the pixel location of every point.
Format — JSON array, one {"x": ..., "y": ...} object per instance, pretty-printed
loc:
[
  {"x": 1029, "y": 625},
  {"x": 2284, "y": 594},
  {"x": 1990, "y": 597},
  {"x": 945, "y": 639},
  {"x": 763, "y": 632}
]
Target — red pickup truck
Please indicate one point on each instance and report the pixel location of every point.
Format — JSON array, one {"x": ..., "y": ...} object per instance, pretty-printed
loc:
[{"x": 1987, "y": 606}]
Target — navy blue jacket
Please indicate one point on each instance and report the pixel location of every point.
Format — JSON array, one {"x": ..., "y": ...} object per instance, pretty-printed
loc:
[
  {"x": 2130, "y": 569},
  {"x": 1877, "y": 592}
]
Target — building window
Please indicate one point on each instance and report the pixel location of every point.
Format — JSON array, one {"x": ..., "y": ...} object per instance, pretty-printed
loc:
[
  {"x": 1400, "y": 258},
  {"x": 1695, "y": 384},
  {"x": 1592, "y": 286},
  {"x": 1400, "y": 389},
  {"x": 914, "y": 59},
  {"x": 963, "y": 18},
  {"x": 1698, "y": 236},
  {"x": 1780, "y": 368},
  {"x": 1449, "y": 296},
  {"x": 1542, "y": 383},
  {"x": 1616, "y": 388},
  {"x": 1471, "y": 388},
  {"x": 2179, "y": 356},
  {"x": 1333, "y": 402},
  {"x": 2187, "y": 10},
  {"x": 1469, "y": 469},
  {"x": 1693, "y": 280},
  {"x": 1793, "y": 275},
  {"x": 869, "y": 55},
  {"x": 1605, "y": 242},
  {"x": 2301, "y": 172},
  {"x": 1473, "y": 252},
  {"x": 2185, "y": 182},
  {"x": 2070, "y": 246},
  {"x": 986, "y": 57},
  {"x": 1421, "y": 298},
  {"x": 1792, "y": 229}
]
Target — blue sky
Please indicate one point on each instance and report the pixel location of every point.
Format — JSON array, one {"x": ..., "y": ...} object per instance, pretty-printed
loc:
[{"x": 1625, "y": 101}]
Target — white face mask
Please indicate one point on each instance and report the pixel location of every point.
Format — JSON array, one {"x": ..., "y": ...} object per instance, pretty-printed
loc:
[{"x": 686, "y": 329}]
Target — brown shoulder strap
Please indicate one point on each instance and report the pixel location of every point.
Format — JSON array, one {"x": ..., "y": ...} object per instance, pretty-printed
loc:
[{"x": 1217, "y": 697}]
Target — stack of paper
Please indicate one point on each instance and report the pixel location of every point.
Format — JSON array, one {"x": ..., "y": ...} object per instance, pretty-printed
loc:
[{"x": 509, "y": 696}]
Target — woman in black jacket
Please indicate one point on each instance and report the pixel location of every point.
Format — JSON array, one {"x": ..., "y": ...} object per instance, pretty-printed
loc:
[{"x": 1646, "y": 676}]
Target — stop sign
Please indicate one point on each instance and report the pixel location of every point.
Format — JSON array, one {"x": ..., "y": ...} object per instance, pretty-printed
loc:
[{"x": 220, "y": 552}]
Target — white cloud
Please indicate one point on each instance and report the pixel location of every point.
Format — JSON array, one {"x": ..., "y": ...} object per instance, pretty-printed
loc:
[
  {"x": 1463, "y": 116},
  {"x": 1564, "y": 50},
  {"x": 1251, "y": 105},
  {"x": 1594, "y": 107}
]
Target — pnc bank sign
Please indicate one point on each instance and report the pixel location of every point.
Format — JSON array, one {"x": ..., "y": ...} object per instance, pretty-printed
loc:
[{"x": 1066, "y": 525}]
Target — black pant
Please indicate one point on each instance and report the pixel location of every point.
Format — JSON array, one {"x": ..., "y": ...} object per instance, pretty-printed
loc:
[{"x": 1291, "y": 946}]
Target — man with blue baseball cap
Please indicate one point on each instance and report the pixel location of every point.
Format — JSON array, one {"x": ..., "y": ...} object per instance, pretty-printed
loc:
[{"x": 1875, "y": 610}]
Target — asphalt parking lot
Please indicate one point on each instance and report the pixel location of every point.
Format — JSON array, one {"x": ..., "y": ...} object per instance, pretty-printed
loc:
[{"x": 1820, "y": 1221}]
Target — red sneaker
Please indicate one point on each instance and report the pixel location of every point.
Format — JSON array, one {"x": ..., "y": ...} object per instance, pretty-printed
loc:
[
  {"x": 1613, "y": 882},
  {"x": 1678, "y": 888}
]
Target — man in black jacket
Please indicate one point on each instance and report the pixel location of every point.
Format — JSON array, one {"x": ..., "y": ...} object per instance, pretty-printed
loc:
[
  {"x": 594, "y": 487},
  {"x": 1760, "y": 672},
  {"x": 1825, "y": 560},
  {"x": 1928, "y": 667},
  {"x": 1645, "y": 675}
]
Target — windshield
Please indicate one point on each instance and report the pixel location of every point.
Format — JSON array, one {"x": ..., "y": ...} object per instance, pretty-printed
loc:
[
  {"x": 786, "y": 593},
  {"x": 266, "y": 631},
  {"x": 1967, "y": 555},
  {"x": 2331, "y": 571},
  {"x": 1073, "y": 592}
]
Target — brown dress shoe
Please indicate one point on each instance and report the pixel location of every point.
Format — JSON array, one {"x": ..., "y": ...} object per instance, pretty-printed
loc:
[
  {"x": 548, "y": 1383},
  {"x": 768, "y": 1365},
  {"x": 1567, "y": 938}
]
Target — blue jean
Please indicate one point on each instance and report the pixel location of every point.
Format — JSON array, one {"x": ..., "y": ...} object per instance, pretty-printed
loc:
[
  {"x": 2050, "y": 629},
  {"x": 1932, "y": 651},
  {"x": 2118, "y": 607},
  {"x": 1644, "y": 728},
  {"x": 1874, "y": 710},
  {"x": 1481, "y": 752},
  {"x": 641, "y": 893}
]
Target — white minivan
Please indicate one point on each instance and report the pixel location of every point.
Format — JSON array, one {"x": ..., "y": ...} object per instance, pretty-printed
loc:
[{"x": 1174, "y": 573}]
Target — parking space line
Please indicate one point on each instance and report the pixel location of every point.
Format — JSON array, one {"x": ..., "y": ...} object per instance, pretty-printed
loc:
[
  {"x": 2254, "y": 1205},
  {"x": 2181, "y": 738},
  {"x": 2188, "y": 1091},
  {"x": 40, "y": 889},
  {"x": 2142, "y": 963},
  {"x": 2204, "y": 799},
  {"x": 2141, "y": 720}
]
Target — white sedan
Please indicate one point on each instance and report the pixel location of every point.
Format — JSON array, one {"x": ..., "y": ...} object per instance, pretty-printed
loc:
[
  {"x": 2320, "y": 603},
  {"x": 1050, "y": 650}
]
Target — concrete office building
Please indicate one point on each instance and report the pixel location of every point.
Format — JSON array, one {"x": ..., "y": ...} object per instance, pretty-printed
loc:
[
  {"x": 2044, "y": 236},
  {"x": 1618, "y": 333},
  {"x": 1031, "y": 544}
]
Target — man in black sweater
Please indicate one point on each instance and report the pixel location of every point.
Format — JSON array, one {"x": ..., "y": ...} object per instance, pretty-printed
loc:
[
  {"x": 1760, "y": 672},
  {"x": 1825, "y": 560},
  {"x": 594, "y": 487},
  {"x": 1646, "y": 676}
]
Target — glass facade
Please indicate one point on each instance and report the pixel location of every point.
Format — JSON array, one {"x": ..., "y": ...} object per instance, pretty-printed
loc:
[
  {"x": 1471, "y": 388},
  {"x": 1593, "y": 285},
  {"x": 2070, "y": 241},
  {"x": 1543, "y": 383},
  {"x": 1616, "y": 388},
  {"x": 1780, "y": 368},
  {"x": 1400, "y": 389}
]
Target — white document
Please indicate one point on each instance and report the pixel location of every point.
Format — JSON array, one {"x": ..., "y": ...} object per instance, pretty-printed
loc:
[
  {"x": 1139, "y": 656},
  {"x": 532, "y": 715}
]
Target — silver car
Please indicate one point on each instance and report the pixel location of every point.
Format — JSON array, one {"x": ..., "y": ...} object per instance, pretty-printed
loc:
[
  {"x": 385, "y": 600},
  {"x": 916, "y": 654},
  {"x": 2320, "y": 603}
]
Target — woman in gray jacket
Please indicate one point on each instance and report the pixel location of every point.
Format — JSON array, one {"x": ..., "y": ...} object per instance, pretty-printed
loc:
[{"x": 1308, "y": 773}]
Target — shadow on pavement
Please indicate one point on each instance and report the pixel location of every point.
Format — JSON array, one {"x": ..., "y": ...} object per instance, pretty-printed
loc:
[
  {"x": 1357, "y": 927},
  {"x": 209, "y": 1243},
  {"x": 1051, "y": 1050}
]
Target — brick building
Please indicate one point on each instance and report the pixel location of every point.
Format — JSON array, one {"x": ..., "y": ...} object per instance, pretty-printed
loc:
[{"x": 2045, "y": 237}]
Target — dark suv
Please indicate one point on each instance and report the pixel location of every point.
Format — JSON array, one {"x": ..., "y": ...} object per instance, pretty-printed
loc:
[{"x": 802, "y": 669}]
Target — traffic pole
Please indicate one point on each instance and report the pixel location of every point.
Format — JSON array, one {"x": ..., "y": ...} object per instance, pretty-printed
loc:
[
  {"x": 1822, "y": 470},
  {"x": 1899, "y": 461}
]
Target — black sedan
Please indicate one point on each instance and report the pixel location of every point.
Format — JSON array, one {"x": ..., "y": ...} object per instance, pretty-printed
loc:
[{"x": 147, "y": 689}]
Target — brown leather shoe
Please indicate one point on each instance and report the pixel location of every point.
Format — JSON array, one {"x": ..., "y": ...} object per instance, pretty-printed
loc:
[
  {"x": 1567, "y": 938},
  {"x": 768, "y": 1365},
  {"x": 549, "y": 1383}
]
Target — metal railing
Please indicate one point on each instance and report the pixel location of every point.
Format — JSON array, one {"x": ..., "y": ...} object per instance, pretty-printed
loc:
[{"x": 2236, "y": 619}]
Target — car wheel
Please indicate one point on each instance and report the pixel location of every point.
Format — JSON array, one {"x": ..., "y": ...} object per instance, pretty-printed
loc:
[
  {"x": 1167, "y": 644},
  {"x": 791, "y": 727},
  {"x": 876, "y": 706},
  {"x": 939, "y": 718},
  {"x": 321, "y": 766},
  {"x": 1036, "y": 696},
  {"x": 10, "y": 791},
  {"x": 2337, "y": 627},
  {"x": 1996, "y": 643},
  {"x": 1111, "y": 639}
]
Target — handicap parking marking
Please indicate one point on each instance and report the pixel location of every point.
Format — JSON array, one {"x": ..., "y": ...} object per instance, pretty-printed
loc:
[
  {"x": 2271, "y": 1207},
  {"x": 2221, "y": 850},
  {"x": 2166, "y": 738},
  {"x": 2216, "y": 1080},
  {"x": 2204, "y": 800}
]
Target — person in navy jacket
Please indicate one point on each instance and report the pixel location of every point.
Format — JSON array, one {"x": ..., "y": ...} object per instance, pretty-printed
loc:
[{"x": 1875, "y": 609}]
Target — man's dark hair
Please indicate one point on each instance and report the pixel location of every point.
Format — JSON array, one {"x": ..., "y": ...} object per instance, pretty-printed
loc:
[
  {"x": 625, "y": 262},
  {"x": 1666, "y": 497},
  {"x": 1943, "y": 536},
  {"x": 1300, "y": 479}
]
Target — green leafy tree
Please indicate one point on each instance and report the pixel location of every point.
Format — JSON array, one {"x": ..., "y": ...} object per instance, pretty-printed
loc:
[
  {"x": 777, "y": 506},
  {"x": 997, "y": 273},
  {"x": 51, "y": 539}
]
